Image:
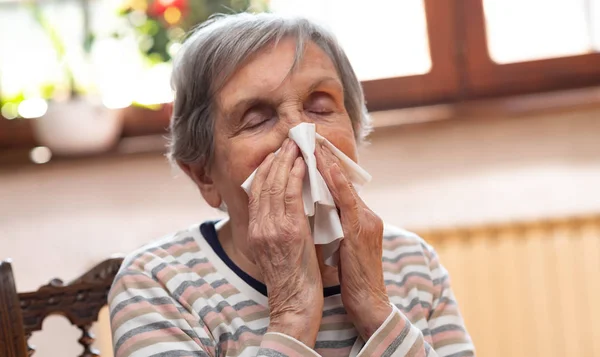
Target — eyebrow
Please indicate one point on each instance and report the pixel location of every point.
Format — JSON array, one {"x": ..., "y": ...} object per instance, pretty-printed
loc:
[{"x": 252, "y": 101}]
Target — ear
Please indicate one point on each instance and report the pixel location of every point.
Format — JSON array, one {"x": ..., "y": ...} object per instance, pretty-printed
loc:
[{"x": 201, "y": 177}]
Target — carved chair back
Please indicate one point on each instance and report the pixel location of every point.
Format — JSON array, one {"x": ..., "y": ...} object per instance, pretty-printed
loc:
[{"x": 80, "y": 301}]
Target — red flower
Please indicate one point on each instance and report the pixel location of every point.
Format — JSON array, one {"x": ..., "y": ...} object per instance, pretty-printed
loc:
[{"x": 157, "y": 7}]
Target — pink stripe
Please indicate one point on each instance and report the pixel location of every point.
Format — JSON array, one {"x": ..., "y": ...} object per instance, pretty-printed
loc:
[
  {"x": 279, "y": 347},
  {"x": 185, "y": 247},
  {"x": 202, "y": 266},
  {"x": 224, "y": 287},
  {"x": 416, "y": 313},
  {"x": 174, "y": 331},
  {"x": 129, "y": 279},
  {"x": 335, "y": 318},
  {"x": 210, "y": 317},
  {"x": 447, "y": 335},
  {"x": 415, "y": 260},
  {"x": 164, "y": 271},
  {"x": 250, "y": 310},
  {"x": 246, "y": 338},
  {"x": 390, "y": 337},
  {"x": 334, "y": 352},
  {"x": 204, "y": 289},
  {"x": 413, "y": 281},
  {"x": 161, "y": 309}
]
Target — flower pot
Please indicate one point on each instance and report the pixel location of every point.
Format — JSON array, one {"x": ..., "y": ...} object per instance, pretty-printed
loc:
[{"x": 78, "y": 126}]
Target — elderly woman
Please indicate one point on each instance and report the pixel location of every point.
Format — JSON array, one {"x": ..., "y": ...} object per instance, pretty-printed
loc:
[{"x": 255, "y": 283}]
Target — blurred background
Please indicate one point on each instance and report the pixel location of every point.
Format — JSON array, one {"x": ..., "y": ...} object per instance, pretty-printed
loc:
[{"x": 486, "y": 142}]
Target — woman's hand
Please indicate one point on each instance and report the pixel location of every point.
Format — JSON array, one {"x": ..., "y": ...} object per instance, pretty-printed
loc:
[
  {"x": 280, "y": 238},
  {"x": 360, "y": 267}
]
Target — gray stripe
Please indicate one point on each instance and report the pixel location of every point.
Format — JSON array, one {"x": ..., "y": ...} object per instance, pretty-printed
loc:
[
  {"x": 447, "y": 327},
  {"x": 270, "y": 353},
  {"x": 160, "y": 325},
  {"x": 127, "y": 272},
  {"x": 397, "y": 341},
  {"x": 414, "y": 302},
  {"x": 179, "y": 241},
  {"x": 427, "y": 349},
  {"x": 335, "y": 344},
  {"x": 217, "y": 283},
  {"x": 442, "y": 300},
  {"x": 154, "y": 272},
  {"x": 180, "y": 353},
  {"x": 186, "y": 284},
  {"x": 136, "y": 299},
  {"x": 190, "y": 263},
  {"x": 242, "y": 329},
  {"x": 223, "y": 304},
  {"x": 440, "y": 281},
  {"x": 401, "y": 234},
  {"x": 402, "y": 283},
  {"x": 401, "y": 256},
  {"x": 334, "y": 311},
  {"x": 468, "y": 353}
]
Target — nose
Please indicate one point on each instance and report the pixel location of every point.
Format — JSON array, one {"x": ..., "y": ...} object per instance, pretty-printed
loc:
[{"x": 295, "y": 117}]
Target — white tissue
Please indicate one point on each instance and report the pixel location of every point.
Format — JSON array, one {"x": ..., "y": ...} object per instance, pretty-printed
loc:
[{"x": 318, "y": 202}]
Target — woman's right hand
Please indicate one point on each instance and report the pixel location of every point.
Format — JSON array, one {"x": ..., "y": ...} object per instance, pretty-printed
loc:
[{"x": 280, "y": 238}]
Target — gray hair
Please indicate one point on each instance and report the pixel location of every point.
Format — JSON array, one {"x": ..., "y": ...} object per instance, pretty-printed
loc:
[{"x": 216, "y": 49}]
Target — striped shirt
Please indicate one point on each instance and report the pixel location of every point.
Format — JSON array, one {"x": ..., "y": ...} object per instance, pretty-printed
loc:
[{"x": 182, "y": 296}]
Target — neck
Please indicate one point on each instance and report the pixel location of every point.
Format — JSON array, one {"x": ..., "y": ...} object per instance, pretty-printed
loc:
[{"x": 232, "y": 237}]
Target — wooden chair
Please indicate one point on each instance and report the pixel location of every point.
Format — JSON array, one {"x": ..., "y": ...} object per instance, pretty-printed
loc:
[{"x": 80, "y": 301}]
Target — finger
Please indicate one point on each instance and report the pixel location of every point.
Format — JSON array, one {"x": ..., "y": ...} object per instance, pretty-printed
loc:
[
  {"x": 265, "y": 190},
  {"x": 279, "y": 176},
  {"x": 324, "y": 163},
  {"x": 345, "y": 196},
  {"x": 259, "y": 179},
  {"x": 341, "y": 191},
  {"x": 294, "y": 206}
]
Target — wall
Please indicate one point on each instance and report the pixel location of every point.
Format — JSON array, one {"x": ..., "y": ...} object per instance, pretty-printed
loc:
[{"x": 61, "y": 218}]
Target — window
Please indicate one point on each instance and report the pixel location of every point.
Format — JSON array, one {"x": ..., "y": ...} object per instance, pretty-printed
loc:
[
  {"x": 520, "y": 31},
  {"x": 361, "y": 29},
  {"x": 401, "y": 50},
  {"x": 406, "y": 53},
  {"x": 29, "y": 62},
  {"x": 525, "y": 46}
]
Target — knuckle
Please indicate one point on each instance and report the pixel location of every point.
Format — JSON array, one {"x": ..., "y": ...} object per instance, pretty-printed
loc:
[
  {"x": 265, "y": 190},
  {"x": 276, "y": 190},
  {"x": 291, "y": 197},
  {"x": 371, "y": 222}
]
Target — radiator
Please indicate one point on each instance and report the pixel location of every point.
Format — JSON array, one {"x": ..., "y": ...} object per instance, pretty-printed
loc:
[{"x": 527, "y": 289}]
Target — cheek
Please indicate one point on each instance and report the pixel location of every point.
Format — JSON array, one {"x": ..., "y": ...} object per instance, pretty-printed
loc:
[
  {"x": 342, "y": 138},
  {"x": 241, "y": 156}
]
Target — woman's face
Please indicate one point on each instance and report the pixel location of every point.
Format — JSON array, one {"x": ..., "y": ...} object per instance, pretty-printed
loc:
[{"x": 258, "y": 106}]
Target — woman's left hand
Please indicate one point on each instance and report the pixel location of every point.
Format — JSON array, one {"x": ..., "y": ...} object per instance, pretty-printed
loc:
[{"x": 360, "y": 267}]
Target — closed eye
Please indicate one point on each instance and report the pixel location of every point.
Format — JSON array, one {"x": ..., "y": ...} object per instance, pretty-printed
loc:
[
  {"x": 257, "y": 116},
  {"x": 320, "y": 103}
]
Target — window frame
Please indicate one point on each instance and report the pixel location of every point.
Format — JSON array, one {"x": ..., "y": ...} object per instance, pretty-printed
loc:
[
  {"x": 485, "y": 78},
  {"x": 441, "y": 83}
]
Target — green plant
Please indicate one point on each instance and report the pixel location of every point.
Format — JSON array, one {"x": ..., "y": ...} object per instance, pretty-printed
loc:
[{"x": 162, "y": 24}]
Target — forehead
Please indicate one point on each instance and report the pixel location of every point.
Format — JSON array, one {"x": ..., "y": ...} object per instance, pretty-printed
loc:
[{"x": 271, "y": 70}]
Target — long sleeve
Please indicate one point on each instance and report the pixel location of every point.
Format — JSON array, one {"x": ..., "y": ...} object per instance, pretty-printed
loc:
[
  {"x": 398, "y": 337},
  {"x": 147, "y": 321}
]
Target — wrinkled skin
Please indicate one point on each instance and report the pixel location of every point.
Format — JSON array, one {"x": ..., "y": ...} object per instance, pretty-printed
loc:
[{"x": 268, "y": 235}]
